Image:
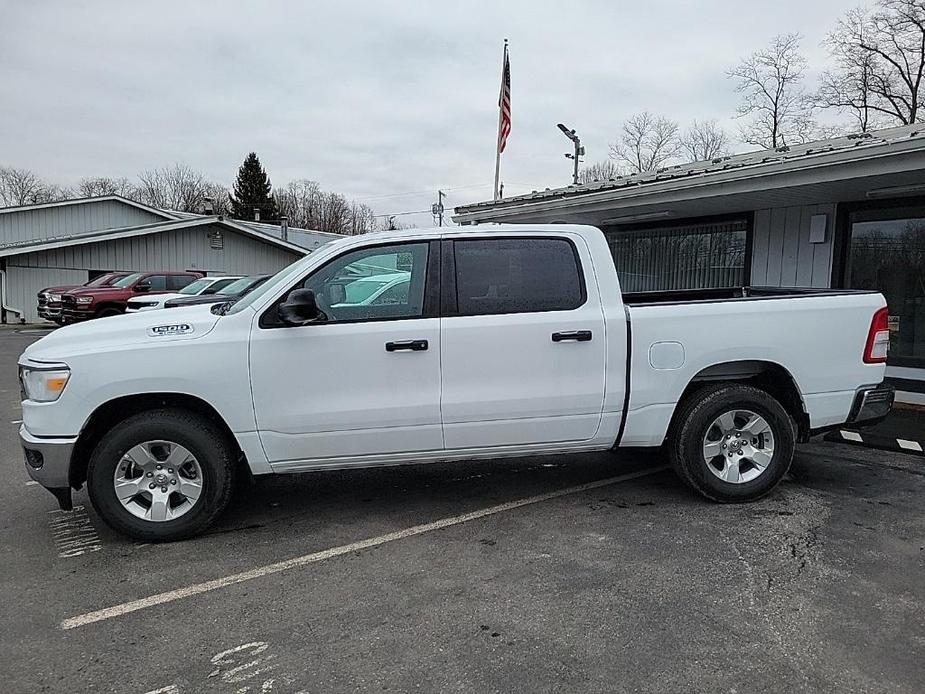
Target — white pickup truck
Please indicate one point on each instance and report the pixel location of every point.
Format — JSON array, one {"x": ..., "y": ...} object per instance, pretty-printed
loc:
[{"x": 506, "y": 341}]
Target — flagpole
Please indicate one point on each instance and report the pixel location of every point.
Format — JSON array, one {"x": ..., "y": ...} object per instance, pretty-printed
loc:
[{"x": 498, "y": 140}]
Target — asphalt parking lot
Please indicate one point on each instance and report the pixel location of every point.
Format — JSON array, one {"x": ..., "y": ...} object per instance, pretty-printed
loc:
[{"x": 578, "y": 573}]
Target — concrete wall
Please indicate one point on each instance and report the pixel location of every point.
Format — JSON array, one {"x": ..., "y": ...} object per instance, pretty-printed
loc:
[
  {"x": 782, "y": 255},
  {"x": 185, "y": 249},
  {"x": 64, "y": 220}
]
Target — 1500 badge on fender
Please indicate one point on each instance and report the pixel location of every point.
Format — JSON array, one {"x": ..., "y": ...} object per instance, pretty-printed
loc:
[{"x": 167, "y": 330}]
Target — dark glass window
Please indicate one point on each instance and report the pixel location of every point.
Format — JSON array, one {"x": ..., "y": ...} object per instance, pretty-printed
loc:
[
  {"x": 690, "y": 256},
  {"x": 158, "y": 282},
  {"x": 516, "y": 276},
  {"x": 887, "y": 253}
]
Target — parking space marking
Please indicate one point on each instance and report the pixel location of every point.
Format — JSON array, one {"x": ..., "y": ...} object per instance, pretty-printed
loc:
[
  {"x": 31, "y": 483},
  {"x": 909, "y": 445},
  {"x": 306, "y": 559},
  {"x": 73, "y": 532}
]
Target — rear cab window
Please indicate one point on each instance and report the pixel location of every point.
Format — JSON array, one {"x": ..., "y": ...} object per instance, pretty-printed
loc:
[{"x": 516, "y": 275}]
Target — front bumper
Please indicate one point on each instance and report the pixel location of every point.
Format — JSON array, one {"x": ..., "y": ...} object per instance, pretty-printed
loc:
[
  {"x": 49, "y": 312},
  {"x": 72, "y": 314},
  {"x": 871, "y": 404},
  {"x": 48, "y": 462}
]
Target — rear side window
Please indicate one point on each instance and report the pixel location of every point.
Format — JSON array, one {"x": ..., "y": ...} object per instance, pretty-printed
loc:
[
  {"x": 180, "y": 281},
  {"x": 516, "y": 276}
]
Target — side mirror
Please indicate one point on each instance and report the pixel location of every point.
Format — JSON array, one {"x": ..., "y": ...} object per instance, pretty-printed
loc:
[
  {"x": 143, "y": 286},
  {"x": 300, "y": 307},
  {"x": 337, "y": 294}
]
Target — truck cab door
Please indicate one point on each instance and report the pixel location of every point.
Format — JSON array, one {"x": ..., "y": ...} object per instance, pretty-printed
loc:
[
  {"x": 523, "y": 343},
  {"x": 363, "y": 382}
]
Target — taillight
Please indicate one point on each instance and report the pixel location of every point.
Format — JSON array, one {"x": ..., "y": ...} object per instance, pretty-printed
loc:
[{"x": 878, "y": 338}]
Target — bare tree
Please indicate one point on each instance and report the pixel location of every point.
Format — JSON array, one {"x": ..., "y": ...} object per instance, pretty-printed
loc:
[
  {"x": 22, "y": 187},
  {"x": 95, "y": 186},
  {"x": 646, "y": 143},
  {"x": 773, "y": 99},
  {"x": 600, "y": 171},
  {"x": 880, "y": 62},
  {"x": 309, "y": 207},
  {"x": 704, "y": 141},
  {"x": 174, "y": 188}
]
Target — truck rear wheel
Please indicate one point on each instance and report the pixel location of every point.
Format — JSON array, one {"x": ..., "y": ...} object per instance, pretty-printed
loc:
[
  {"x": 732, "y": 442},
  {"x": 161, "y": 475}
]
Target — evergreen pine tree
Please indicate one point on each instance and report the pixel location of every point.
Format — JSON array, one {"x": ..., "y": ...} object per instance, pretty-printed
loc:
[{"x": 253, "y": 189}]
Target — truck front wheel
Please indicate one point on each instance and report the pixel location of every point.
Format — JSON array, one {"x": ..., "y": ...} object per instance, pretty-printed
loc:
[
  {"x": 732, "y": 442},
  {"x": 161, "y": 475}
]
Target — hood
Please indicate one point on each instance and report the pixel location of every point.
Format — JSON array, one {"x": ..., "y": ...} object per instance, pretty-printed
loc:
[
  {"x": 96, "y": 291},
  {"x": 105, "y": 334},
  {"x": 156, "y": 296},
  {"x": 59, "y": 290}
]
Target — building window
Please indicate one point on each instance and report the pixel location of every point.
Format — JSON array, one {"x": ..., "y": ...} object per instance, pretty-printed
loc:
[
  {"x": 887, "y": 253},
  {"x": 691, "y": 256}
]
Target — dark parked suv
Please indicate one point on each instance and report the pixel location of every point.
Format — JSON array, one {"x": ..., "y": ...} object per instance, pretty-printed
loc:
[{"x": 99, "y": 302}]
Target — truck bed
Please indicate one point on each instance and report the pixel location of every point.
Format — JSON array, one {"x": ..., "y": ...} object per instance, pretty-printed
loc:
[{"x": 747, "y": 293}]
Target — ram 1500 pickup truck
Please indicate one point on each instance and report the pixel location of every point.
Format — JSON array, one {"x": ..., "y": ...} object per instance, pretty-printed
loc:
[{"x": 505, "y": 341}]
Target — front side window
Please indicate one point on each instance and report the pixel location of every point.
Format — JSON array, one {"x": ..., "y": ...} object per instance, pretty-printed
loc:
[
  {"x": 358, "y": 285},
  {"x": 158, "y": 282},
  {"x": 128, "y": 280},
  {"x": 516, "y": 276}
]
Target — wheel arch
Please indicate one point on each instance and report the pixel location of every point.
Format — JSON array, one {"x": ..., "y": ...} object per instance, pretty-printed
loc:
[
  {"x": 117, "y": 410},
  {"x": 769, "y": 376}
]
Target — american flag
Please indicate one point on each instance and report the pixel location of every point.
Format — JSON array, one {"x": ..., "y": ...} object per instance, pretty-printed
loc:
[{"x": 504, "y": 103}]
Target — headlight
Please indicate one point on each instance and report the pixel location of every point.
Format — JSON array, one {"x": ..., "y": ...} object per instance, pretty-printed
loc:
[
  {"x": 43, "y": 385},
  {"x": 84, "y": 299},
  {"x": 54, "y": 297}
]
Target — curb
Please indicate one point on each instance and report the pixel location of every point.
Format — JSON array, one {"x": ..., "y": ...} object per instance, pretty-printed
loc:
[{"x": 884, "y": 443}]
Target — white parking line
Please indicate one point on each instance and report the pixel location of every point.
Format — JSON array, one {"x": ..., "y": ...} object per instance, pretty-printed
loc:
[
  {"x": 314, "y": 557},
  {"x": 31, "y": 483}
]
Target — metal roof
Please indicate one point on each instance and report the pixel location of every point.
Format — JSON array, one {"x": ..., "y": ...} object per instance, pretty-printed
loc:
[
  {"x": 744, "y": 165},
  {"x": 48, "y": 243},
  {"x": 166, "y": 214}
]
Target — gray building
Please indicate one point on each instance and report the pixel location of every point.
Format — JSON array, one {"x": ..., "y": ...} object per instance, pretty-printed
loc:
[
  {"x": 844, "y": 212},
  {"x": 73, "y": 241}
]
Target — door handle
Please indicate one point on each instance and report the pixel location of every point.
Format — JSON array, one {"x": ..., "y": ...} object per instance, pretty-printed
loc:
[
  {"x": 412, "y": 345},
  {"x": 577, "y": 336}
]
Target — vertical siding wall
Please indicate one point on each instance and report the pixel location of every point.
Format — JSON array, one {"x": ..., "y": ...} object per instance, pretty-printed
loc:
[
  {"x": 63, "y": 220},
  {"x": 782, "y": 255}
]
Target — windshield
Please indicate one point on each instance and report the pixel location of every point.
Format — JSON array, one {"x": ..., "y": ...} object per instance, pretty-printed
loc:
[
  {"x": 196, "y": 287},
  {"x": 237, "y": 286},
  {"x": 104, "y": 280},
  {"x": 128, "y": 280}
]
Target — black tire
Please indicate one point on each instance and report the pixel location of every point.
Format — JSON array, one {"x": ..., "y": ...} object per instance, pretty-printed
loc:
[
  {"x": 694, "y": 419},
  {"x": 214, "y": 453},
  {"x": 107, "y": 312}
]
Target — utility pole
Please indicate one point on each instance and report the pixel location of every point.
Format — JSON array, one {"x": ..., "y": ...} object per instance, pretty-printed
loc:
[
  {"x": 437, "y": 208},
  {"x": 579, "y": 150}
]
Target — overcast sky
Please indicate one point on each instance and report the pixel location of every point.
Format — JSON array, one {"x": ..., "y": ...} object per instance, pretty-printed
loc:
[{"x": 371, "y": 99}]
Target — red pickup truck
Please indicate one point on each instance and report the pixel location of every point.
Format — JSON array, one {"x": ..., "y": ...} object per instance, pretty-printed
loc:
[
  {"x": 99, "y": 302},
  {"x": 49, "y": 299}
]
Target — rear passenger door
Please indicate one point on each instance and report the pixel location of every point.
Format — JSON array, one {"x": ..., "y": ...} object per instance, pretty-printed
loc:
[{"x": 522, "y": 342}]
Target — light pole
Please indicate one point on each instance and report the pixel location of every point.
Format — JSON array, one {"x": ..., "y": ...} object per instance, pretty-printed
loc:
[{"x": 579, "y": 150}]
